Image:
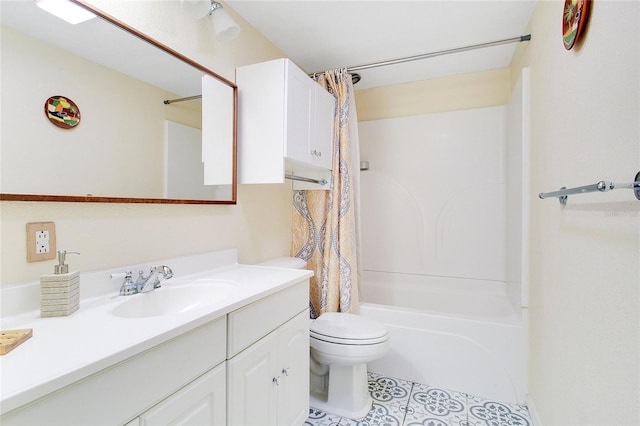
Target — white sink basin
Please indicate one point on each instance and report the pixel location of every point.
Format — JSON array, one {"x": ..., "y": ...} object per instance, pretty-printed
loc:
[{"x": 175, "y": 299}]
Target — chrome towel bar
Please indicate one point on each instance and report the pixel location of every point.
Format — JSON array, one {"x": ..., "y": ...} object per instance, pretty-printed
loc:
[
  {"x": 305, "y": 179},
  {"x": 602, "y": 186}
]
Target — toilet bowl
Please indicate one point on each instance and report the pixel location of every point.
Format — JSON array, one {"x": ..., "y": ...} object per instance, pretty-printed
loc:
[{"x": 341, "y": 345}]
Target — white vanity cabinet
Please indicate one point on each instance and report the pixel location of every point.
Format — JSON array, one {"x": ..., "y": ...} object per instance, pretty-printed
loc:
[
  {"x": 138, "y": 384},
  {"x": 247, "y": 366},
  {"x": 268, "y": 377},
  {"x": 285, "y": 123},
  {"x": 202, "y": 402}
]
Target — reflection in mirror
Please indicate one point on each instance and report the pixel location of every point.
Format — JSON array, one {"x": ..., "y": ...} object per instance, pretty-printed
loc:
[{"x": 126, "y": 147}]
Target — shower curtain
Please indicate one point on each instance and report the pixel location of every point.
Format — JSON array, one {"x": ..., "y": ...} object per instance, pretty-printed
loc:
[{"x": 325, "y": 223}]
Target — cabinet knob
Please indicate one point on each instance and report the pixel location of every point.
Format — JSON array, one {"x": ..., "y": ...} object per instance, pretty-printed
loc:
[
  {"x": 316, "y": 153},
  {"x": 276, "y": 380},
  {"x": 286, "y": 371}
]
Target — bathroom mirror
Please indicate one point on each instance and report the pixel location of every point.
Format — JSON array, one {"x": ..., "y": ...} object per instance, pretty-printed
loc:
[{"x": 128, "y": 145}]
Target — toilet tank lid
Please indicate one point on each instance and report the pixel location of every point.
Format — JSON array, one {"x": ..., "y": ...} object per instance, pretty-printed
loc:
[{"x": 285, "y": 262}]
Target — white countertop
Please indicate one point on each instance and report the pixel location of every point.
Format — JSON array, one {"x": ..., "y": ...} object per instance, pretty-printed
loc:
[{"x": 64, "y": 350}]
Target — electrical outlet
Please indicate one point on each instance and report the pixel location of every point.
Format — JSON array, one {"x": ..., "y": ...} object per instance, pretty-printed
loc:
[{"x": 41, "y": 241}]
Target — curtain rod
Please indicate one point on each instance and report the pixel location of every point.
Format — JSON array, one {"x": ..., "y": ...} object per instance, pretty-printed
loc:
[{"x": 519, "y": 39}]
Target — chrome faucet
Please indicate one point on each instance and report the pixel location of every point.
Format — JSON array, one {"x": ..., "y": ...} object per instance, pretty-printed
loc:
[{"x": 152, "y": 282}]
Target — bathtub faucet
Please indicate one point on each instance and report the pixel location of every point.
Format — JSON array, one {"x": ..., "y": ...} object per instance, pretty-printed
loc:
[{"x": 146, "y": 284}]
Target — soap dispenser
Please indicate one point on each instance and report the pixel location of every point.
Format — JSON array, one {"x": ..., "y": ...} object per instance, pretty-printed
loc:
[{"x": 60, "y": 292}]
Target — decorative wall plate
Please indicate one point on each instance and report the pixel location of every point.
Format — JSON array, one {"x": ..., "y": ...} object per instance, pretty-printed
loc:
[
  {"x": 62, "y": 112},
  {"x": 574, "y": 18}
]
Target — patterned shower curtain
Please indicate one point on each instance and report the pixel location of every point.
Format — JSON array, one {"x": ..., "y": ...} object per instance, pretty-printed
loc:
[{"x": 325, "y": 227}]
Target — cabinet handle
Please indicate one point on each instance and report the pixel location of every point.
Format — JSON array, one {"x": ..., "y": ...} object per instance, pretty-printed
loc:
[
  {"x": 276, "y": 380},
  {"x": 286, "y": 371},
  {"x": 316, "y": 153}
]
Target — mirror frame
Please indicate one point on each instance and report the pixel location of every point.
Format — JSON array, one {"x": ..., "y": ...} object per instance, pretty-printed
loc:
[{"x": 99, "y": 199}]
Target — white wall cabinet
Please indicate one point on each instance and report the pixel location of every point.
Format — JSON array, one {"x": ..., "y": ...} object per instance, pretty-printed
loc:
[
  {"x": 285, "y": 123},
  {"x": 269, "y": 381}
]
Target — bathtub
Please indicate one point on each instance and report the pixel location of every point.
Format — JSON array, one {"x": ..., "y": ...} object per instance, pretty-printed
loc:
[{"x": 450, "y": 333}]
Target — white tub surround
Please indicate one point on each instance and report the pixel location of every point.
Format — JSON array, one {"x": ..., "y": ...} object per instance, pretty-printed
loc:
[{"x": 70, "y": 350}]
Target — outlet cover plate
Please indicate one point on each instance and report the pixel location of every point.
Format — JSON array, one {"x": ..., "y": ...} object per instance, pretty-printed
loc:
[{"x": 32, "y": 231}]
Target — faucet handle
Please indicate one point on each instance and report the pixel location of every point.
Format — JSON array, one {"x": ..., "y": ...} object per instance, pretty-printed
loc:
[
  {"x": 128, "y": 286},
  {"x": 126, "y": 274}
]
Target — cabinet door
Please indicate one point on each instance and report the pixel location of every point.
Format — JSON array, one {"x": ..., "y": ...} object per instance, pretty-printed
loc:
[
  {"x": 202, "y": 402},
  {"x": 322, "y": 135},
  {"x": 300, "y": 114},
  {"x": 251, "y": 390},
  {"x": 261, "y": 122},
  {"x": 293, "y": 351}
]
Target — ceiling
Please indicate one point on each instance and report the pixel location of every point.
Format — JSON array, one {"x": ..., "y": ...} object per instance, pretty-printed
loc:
[{"x": 320, "y": 34}]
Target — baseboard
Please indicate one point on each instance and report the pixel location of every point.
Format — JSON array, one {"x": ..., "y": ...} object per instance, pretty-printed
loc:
[{"x": 533, "y": 413}]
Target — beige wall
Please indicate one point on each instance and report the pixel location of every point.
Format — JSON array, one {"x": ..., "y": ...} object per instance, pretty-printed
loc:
[
  {"x": 454, "y": 93},
  {"x": 120, "y": 234},
  {"x": 585, "y": 258}
]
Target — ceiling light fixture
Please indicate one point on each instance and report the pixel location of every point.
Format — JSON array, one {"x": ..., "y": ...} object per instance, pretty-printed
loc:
[
  {"x": 64, "y": 9},
  {"x": 224, "y": 27}
]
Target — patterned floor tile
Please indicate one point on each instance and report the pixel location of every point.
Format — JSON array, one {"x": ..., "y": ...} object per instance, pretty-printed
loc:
[
  {"x": 319, "y": 418},
  {"x": 432, "y": 405},
  {"x": 485, "y": 412},
  {"x": 379, "y": 415},
  {"x": 390, "y": 393},
  {"x": 403, "y": 403}
]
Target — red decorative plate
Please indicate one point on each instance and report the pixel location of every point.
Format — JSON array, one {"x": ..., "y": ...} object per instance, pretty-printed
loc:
[
  {"x": 574, "y": 18},
  {"x": 62, "y": 112}
]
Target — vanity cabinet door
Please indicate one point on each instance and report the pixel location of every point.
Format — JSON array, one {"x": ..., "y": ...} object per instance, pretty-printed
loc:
[
  {"x": 293, "y": 351},
  {"x": 268, "y": 383},
  {"x": 202, "y": 402},
  {"x": 251, "y": 389}
]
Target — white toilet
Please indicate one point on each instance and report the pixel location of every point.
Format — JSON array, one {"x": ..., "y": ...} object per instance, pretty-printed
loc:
[{"x": 341, "y": 345}]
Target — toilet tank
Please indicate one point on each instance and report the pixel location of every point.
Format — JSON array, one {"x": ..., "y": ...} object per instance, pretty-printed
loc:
[{"x": 285, "y": 262}]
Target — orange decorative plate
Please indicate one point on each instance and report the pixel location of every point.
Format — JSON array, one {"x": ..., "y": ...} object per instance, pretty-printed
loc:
[
  {"x": 574, "y": 19},
  {"x": 62, "y": 112}
]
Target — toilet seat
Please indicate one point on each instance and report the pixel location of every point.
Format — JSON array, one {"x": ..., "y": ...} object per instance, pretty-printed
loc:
[
  {"x": 347, "y": 329},
  {"x": 341, "y": 341}
]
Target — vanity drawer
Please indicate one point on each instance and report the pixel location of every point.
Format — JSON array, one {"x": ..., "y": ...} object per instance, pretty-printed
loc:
[{"x": 249, "y": 324}]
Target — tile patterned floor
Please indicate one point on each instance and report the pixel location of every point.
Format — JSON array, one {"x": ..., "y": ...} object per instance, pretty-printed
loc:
[{"x": 403, "y": 403}]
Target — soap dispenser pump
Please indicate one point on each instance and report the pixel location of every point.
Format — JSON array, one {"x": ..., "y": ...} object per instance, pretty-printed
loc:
[
  {"x": 60, "y": 291},
  {"x": 61, "y": 267}
]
